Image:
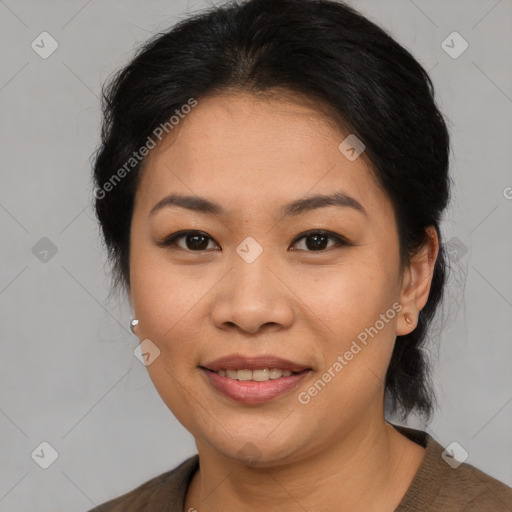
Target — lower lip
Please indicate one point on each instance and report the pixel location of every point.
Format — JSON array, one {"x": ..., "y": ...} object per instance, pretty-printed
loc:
[{"x": 253, "y": 392}]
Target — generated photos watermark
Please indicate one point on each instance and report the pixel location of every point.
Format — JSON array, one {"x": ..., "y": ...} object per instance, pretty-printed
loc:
[
  {"x": 304, "y": 397},
  {"x": 138, "y": 156}
]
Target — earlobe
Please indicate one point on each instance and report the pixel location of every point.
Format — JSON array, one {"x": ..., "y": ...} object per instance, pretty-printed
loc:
[
  {"x": 406, "y": 323},
  {"x": 408, "y": 319},
  {"x": 417, "y": 281}
]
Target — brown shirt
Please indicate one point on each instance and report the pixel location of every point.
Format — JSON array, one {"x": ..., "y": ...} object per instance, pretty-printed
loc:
[{"x": 436, "y": 487}]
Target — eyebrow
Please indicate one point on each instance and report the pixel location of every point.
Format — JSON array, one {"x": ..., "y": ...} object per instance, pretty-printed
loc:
[{"x": 297, "y": 207}]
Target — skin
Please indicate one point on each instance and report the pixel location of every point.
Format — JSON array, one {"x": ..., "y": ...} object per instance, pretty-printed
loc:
[{"x": 252, "y": 155}]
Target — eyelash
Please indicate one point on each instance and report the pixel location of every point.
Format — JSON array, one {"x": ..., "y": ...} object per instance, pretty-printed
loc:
[{"x": 170, "y": 241}]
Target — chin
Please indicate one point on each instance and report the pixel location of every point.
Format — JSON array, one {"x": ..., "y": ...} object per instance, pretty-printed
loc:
[{"x": 259, "y": 451}]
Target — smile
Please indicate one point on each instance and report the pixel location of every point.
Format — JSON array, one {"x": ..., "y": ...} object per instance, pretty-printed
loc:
[
  {"x": 260, "y": 375},
  {"x": 254, "y": 386}
]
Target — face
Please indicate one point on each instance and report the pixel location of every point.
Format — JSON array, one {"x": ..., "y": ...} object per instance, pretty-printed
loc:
[{"x": 260, "y": 280}]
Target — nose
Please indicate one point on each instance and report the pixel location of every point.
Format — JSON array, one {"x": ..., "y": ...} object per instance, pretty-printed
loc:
[{"x": 253, "y": 297}]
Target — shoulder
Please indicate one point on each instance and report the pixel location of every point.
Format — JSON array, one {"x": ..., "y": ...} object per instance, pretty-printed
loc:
[
  {"x": 444, "y": 484},
  {"x": 161, "y": 493},
  {"x": 474, "y": 490}
]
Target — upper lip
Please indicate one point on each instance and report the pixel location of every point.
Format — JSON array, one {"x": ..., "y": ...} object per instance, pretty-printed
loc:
[{"x": 240, "y": 362}]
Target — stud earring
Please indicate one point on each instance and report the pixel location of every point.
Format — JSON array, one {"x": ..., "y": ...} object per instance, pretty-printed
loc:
[
  {"x": 408, "y": 319},
  {"x": 133, "y": 323}
]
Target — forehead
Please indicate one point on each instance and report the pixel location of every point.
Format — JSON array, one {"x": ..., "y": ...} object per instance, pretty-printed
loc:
[{"x": 246, "y": 150}]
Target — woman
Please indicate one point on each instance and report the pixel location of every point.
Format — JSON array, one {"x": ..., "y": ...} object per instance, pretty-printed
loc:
[{"x": 270, "y": 186}]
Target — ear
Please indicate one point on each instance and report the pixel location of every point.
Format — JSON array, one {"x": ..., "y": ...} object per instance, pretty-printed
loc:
[
  {"x": 133, "y": 312},
  {"x": 416, "y": 282}
]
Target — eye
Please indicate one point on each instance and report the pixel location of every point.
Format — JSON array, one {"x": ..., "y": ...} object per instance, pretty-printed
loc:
[
  {"x": 317, "y": 240},
  {"x": 194, "y": 240},
  {"x": 198, "y": 241}
]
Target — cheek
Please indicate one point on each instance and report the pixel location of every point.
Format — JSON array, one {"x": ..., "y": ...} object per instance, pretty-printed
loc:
[
  {"x": 351, "y": 295},
  {"x": 162, "y": 294},
  {"x": 164, "y": 301},
  {"x": 356, "y": 320}
]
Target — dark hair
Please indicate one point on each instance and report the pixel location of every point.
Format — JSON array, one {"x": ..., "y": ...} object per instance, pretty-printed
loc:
[{"x": 322, "y": 50}]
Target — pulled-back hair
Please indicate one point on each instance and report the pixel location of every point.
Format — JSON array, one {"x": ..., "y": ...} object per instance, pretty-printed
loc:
[{"x": 319, "y": 49}]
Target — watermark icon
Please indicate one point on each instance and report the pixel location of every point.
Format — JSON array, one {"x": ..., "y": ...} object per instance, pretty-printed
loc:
[
  {"x": 249, "y": 453},
  {"x": 351, "y": 147},
  {"x": 44, "y": 455},
  {"x": 456, "y": 249},
  {"x": 454, "y": 455},
  {"x": 304, "y": 397},
  {"x": 507, "y": 192},
  {"x": 44, "y": 250},
  {"x": 146, "y": 352},
  {"x": 249, "y": 250},
  {"x": 44, "y": 45},
  {"x": 454, "y": 45},
  {"x": 138, "y": 156}
]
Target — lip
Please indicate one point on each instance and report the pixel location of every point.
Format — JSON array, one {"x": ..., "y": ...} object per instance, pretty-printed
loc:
[
  {"x": 240, "y": 362},
  {"x": 253, "y": 392}
]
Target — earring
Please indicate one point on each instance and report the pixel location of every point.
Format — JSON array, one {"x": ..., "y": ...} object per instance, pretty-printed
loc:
[
  {"x": 133, "y": 323},
  {"x": 408, "y": 319}
]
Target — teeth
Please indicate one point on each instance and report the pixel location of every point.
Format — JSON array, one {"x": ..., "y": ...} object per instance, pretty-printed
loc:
[
  {"x": 260, "y": 375},
  {"x": 244, "y": 374},
  {"x": 275, "y": 373}
]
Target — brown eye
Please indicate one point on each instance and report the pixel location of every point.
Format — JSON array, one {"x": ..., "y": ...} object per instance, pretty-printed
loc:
[
  {"x": 193, "y": 241},
  {"x": 197, "y": 241},
  {"x": 316, "y": 241}
]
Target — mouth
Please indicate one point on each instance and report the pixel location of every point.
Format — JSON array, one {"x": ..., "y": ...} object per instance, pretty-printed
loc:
[
  {"x": 254, "y": 380},
  {"x": 259, "y": 375},
  {"x": 238, "y": 362}
]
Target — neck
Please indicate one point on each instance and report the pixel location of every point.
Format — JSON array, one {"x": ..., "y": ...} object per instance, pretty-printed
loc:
[{"x": 369, "y": 468}]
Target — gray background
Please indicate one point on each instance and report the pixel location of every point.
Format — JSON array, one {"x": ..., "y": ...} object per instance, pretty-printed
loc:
[{"x": 68, "y": 373}]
